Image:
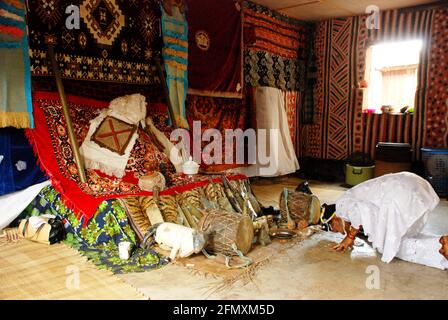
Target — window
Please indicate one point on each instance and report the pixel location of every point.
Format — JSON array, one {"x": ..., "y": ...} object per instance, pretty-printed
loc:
[{"x": 391, "y": 74}]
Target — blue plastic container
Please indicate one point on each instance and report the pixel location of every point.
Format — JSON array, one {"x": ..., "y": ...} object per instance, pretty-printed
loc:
[{"x": 436, "y": 169}]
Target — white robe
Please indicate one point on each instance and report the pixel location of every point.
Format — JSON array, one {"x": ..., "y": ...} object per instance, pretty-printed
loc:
[
  {"x": 271, "y": 116},
  {"x": 393, "y": 209}
]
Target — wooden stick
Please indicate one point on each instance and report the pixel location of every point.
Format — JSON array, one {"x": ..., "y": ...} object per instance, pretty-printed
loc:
[{"x": 71, "y": 133}]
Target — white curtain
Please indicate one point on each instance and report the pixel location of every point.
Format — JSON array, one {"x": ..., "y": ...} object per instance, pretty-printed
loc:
[
  {"x": 271, "y": 116},
  {"x": 399, "y": 86}
]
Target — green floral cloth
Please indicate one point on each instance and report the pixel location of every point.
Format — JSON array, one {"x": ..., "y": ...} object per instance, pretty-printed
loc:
[{"x": 99, "y": 238}]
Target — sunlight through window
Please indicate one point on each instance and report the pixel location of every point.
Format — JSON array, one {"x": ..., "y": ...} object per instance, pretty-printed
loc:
[{"x": 391, "y": 74}]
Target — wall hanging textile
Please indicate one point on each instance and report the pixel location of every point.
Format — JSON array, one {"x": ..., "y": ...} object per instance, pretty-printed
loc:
[
  {"x": 340, "y": 52},
  {"x": 271, "y": 116},
  {"x": 18, "y": 168},
  {"x": 436, "y": 131},
  {"x": 116, "y": 40},
  {"x": 339, "y": 48},
  {"x": 215, "y": 48},
  {"x": 274, "y": 49},
  {"x": 270, "y": 31},
  {"x": 51, "y": 144},
  {"x": 98, "y": 239},
  {"x": 221, "y": 114},
  {"x": 310, "y": 78},
  {"x": 385, "y": 128},
  {"x": 99, "y": 90},
  {"x": 175, "y": 57},
  {"x": 291, "y": 103},
  {"x": 15, "y": 78},
  {"x": 264, "y": 69}
]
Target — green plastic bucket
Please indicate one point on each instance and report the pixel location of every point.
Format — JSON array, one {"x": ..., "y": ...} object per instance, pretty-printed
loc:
[{"x": 355, "y": 175}]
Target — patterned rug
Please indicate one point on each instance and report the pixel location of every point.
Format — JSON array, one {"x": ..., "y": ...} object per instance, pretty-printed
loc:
[
  {"x": 221, "y": 114},
  {"x": 115, "y": 40}
]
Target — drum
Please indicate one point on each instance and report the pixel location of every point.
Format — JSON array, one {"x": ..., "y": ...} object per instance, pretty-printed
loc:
[
  {"x": 224, "y": 229},
  {"x": 301, "y": 206}
]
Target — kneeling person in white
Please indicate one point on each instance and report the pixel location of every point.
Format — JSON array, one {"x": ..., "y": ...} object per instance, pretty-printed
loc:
[{"x": 392, "y": 211}]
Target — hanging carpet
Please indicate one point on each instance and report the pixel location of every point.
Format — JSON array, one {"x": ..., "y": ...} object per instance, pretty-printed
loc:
[
  {"x": 115, "y": 40},
  {"x": 215, "y": 48}
]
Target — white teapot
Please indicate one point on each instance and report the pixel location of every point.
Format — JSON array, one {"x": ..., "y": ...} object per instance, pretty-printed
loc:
[{"x": 190, "y": 167}]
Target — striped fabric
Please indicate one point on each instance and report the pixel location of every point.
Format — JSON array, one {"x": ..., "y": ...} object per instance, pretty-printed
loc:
[
  {"x": 400, "y": 25},
  {"x": 277, "y": 34},
  {"x": 385, "y": 128},
  {"x": 15, "y": 76},
  {"x": 175, "y": 56}
]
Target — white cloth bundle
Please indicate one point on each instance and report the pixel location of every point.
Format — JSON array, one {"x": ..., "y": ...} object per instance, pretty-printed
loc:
[
  {"x": 130, "y": 109},
  {"x": 182, "y": 240},
  {"x": 13, "y": 204}
]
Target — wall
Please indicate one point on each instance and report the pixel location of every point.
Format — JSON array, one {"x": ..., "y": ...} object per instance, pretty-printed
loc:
[{"x": 338, "y": 128}]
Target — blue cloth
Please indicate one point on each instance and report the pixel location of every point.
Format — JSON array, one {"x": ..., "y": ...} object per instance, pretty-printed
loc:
[{"x": 18, "y": 168}]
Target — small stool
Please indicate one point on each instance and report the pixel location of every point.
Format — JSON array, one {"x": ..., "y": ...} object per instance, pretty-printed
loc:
[{"x": 392, "y": 158}]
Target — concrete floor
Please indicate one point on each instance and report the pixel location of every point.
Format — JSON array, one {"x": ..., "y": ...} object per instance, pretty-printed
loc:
[{"x": 310, "y": 269}]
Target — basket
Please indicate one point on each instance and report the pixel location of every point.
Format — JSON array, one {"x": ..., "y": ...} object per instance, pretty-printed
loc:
[{"x": 436, "y": 169}]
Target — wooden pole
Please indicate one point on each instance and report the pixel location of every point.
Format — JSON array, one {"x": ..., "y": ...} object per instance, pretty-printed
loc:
[{"x": 71, "y": 133}]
